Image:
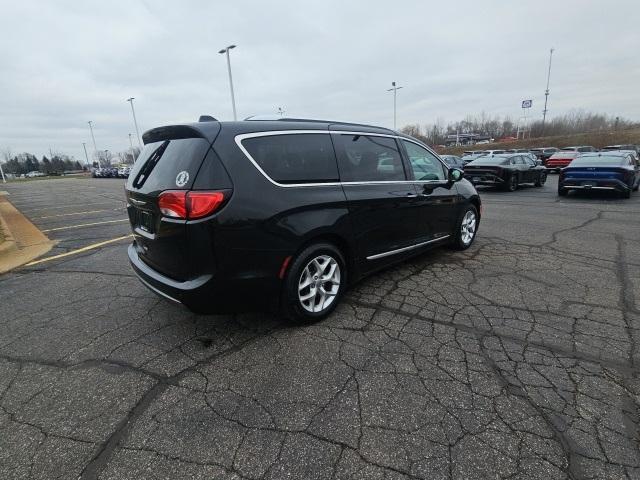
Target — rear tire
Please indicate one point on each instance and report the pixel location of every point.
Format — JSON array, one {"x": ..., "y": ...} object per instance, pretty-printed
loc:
[
  {"x": 466, "y": 229},
  {"x": 542, "y": 178},
  {"x": 512, "y": 183},
  {"x": 314, "y": 284}
]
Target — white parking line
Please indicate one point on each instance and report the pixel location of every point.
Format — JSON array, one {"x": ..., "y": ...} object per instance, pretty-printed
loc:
[
  {"x": 85, "y": 225},
  {"x": 69, "y": 205},
  {"x": 79, "y": 250},
  {"x": 77, "y": 213}
]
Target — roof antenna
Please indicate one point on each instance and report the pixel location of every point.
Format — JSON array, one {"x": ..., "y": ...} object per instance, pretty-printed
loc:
[{"x": 207, "y": 118}]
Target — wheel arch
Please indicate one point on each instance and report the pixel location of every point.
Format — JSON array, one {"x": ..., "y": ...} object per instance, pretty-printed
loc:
[{"x": 340, "y": 242}]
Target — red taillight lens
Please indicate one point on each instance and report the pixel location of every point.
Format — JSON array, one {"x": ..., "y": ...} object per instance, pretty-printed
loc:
[
  {"x": 173, "y": 203},
  {"x": 189, "y": 205},
  {"x": 201, "y": 204}
]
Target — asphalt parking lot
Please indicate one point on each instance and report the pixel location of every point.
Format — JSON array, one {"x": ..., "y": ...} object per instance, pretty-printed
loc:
[{"x": 515, "y": 359}]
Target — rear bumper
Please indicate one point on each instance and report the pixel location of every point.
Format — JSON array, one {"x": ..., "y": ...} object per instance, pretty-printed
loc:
[
  {"x": 484, "y": 179},
  {"x": 591, "y": 184},
  {"x": 206, "y": 293}
]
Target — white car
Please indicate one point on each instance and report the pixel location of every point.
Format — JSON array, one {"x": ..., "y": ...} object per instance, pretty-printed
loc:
[{"x": 34, "y": 174}]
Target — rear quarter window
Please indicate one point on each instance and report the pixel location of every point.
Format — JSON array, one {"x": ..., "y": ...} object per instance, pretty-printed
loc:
[{"x": 294, "y": 158}]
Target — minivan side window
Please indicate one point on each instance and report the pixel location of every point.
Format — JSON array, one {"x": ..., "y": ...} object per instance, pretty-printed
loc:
[
  {"x": 368, "y": 158},
  {"x": 424, "y": 164},
  {"x": 294, "y": 158}
]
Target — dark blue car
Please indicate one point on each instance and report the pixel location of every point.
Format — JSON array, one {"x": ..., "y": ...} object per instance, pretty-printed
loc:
[{"x": 616, "y": 171}]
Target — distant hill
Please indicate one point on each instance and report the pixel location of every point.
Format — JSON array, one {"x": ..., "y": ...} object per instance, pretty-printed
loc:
[{"x": 596, "y": 139}]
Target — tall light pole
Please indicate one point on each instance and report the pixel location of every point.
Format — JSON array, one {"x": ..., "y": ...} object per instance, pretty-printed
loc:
[
  {"x": 395, "y": 92},
  {"x": 135, "y": 122},
  {"x": 546, "y": 92},
  {"x": 233, "y": 98},
  {"x": 84, "y": 145},
  {"x": 95, "y": 149},
  {"x": 131, "y": 143}
]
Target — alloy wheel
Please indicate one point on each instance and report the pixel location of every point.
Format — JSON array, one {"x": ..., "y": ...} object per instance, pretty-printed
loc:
[
  {"x": 319, "y": 283},
  {"x": 468, "y": 227}
]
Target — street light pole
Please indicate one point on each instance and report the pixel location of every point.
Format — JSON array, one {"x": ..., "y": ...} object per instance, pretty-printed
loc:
[
  {"x": 395, "y": 91},
  {"x": 233, "y": 98},
  {"x": 135, "y": 122},
  {"x": 84, "y": 145},
  {"x": 95, "y": 149},
  {"x": 131, "y": 143},
  {"x": 546, "y": 92}
]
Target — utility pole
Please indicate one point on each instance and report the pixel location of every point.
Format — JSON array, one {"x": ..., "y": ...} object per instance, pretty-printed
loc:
[
  {"x": 135, "y": 122},
  {"x": 233, "y": 98},
  {"x": 281, "y": 112},
  {"x": 95, "y": 149},
  {"x": 395, "y": 91},
  {"x": 546, "y": 92},
  {"x": 131, "y": 143},
  {"x": 84, "y": 145},
  {"x": 4, "y": 180}
]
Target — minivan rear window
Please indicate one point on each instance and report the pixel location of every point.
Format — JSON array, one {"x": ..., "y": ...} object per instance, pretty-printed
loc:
[
  {"x": 167, "y": 164},
  {"x": 294, "y": 158}
]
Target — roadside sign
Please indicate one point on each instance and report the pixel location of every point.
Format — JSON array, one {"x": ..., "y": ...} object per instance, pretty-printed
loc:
[{"x": 526, "y": 103}]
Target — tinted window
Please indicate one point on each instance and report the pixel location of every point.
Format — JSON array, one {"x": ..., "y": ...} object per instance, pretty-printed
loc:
[
  {"x": 599, "y": 160},
  {"x": 160, "y": 163},
  {"x": 295, "y": 158},
  {"x": 424, "y": 164},
  {"x": 368, "y": 158}
]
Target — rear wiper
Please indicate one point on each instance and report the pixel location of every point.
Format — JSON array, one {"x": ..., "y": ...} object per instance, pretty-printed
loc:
[{"x": 151, "y": 162}]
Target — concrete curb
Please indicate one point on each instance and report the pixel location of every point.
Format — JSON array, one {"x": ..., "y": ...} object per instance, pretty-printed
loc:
[{"x": 23, "y": 240}]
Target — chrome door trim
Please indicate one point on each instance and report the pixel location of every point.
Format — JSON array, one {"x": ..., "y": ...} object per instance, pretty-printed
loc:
[{"x": 405, "y": 249}]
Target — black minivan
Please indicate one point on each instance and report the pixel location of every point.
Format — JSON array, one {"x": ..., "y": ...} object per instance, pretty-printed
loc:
[{"x": 285, "y": 214}]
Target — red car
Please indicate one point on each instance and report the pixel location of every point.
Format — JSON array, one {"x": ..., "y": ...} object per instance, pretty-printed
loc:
[{"x": 560, "y": 160}]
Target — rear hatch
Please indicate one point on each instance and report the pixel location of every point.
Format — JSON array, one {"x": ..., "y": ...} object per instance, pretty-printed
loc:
[
  {"x": 170, "y": 162},
  {"x": 561, "y": 159}
]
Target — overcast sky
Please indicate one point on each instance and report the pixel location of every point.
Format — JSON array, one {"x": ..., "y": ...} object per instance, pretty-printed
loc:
[{"x": 67, "y": 62}]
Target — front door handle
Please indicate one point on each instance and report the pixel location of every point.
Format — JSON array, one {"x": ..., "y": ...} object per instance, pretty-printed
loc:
[{"x": 411, "y": 195}]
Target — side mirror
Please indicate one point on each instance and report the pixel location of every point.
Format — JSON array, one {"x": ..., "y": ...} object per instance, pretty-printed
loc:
[{"x": 455, "y": 175}]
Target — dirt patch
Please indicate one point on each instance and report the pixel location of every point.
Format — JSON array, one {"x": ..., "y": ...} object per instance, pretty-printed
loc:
[{"x": 21, "y": 241}]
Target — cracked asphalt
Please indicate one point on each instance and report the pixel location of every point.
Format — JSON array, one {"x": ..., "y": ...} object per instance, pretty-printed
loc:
[{"x": 517, "y": 358}]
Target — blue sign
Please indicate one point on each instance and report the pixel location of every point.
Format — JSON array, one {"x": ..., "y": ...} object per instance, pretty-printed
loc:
[{"x": 526, "y": 103}]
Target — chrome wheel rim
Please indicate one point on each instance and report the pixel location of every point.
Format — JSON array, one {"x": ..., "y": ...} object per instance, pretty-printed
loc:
[
  {"x": 319, "y": 284},
  {"x": 468, "y": 227}
]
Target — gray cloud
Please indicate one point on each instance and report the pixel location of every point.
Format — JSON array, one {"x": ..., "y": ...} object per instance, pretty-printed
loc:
[{"x": 64, "y": 63}]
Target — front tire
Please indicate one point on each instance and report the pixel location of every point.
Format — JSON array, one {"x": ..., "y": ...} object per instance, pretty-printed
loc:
[
  {"x": 314, "y": 284},
  {"x": 626, "y": 193},
  {"x": 562, "y": 191},
  {"x": 466, "y": 229}
]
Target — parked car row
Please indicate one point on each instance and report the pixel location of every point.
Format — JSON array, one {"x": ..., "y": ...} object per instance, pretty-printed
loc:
[
  {"x": 122, "y": 172},
  {"x": 552, "y": 158}
]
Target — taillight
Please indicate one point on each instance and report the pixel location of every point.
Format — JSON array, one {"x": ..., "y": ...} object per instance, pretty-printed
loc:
[
  {"x": 189, "y": 205},
  {"x": 201, "y": 204},
  {"x": 173, "y": 203}
]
